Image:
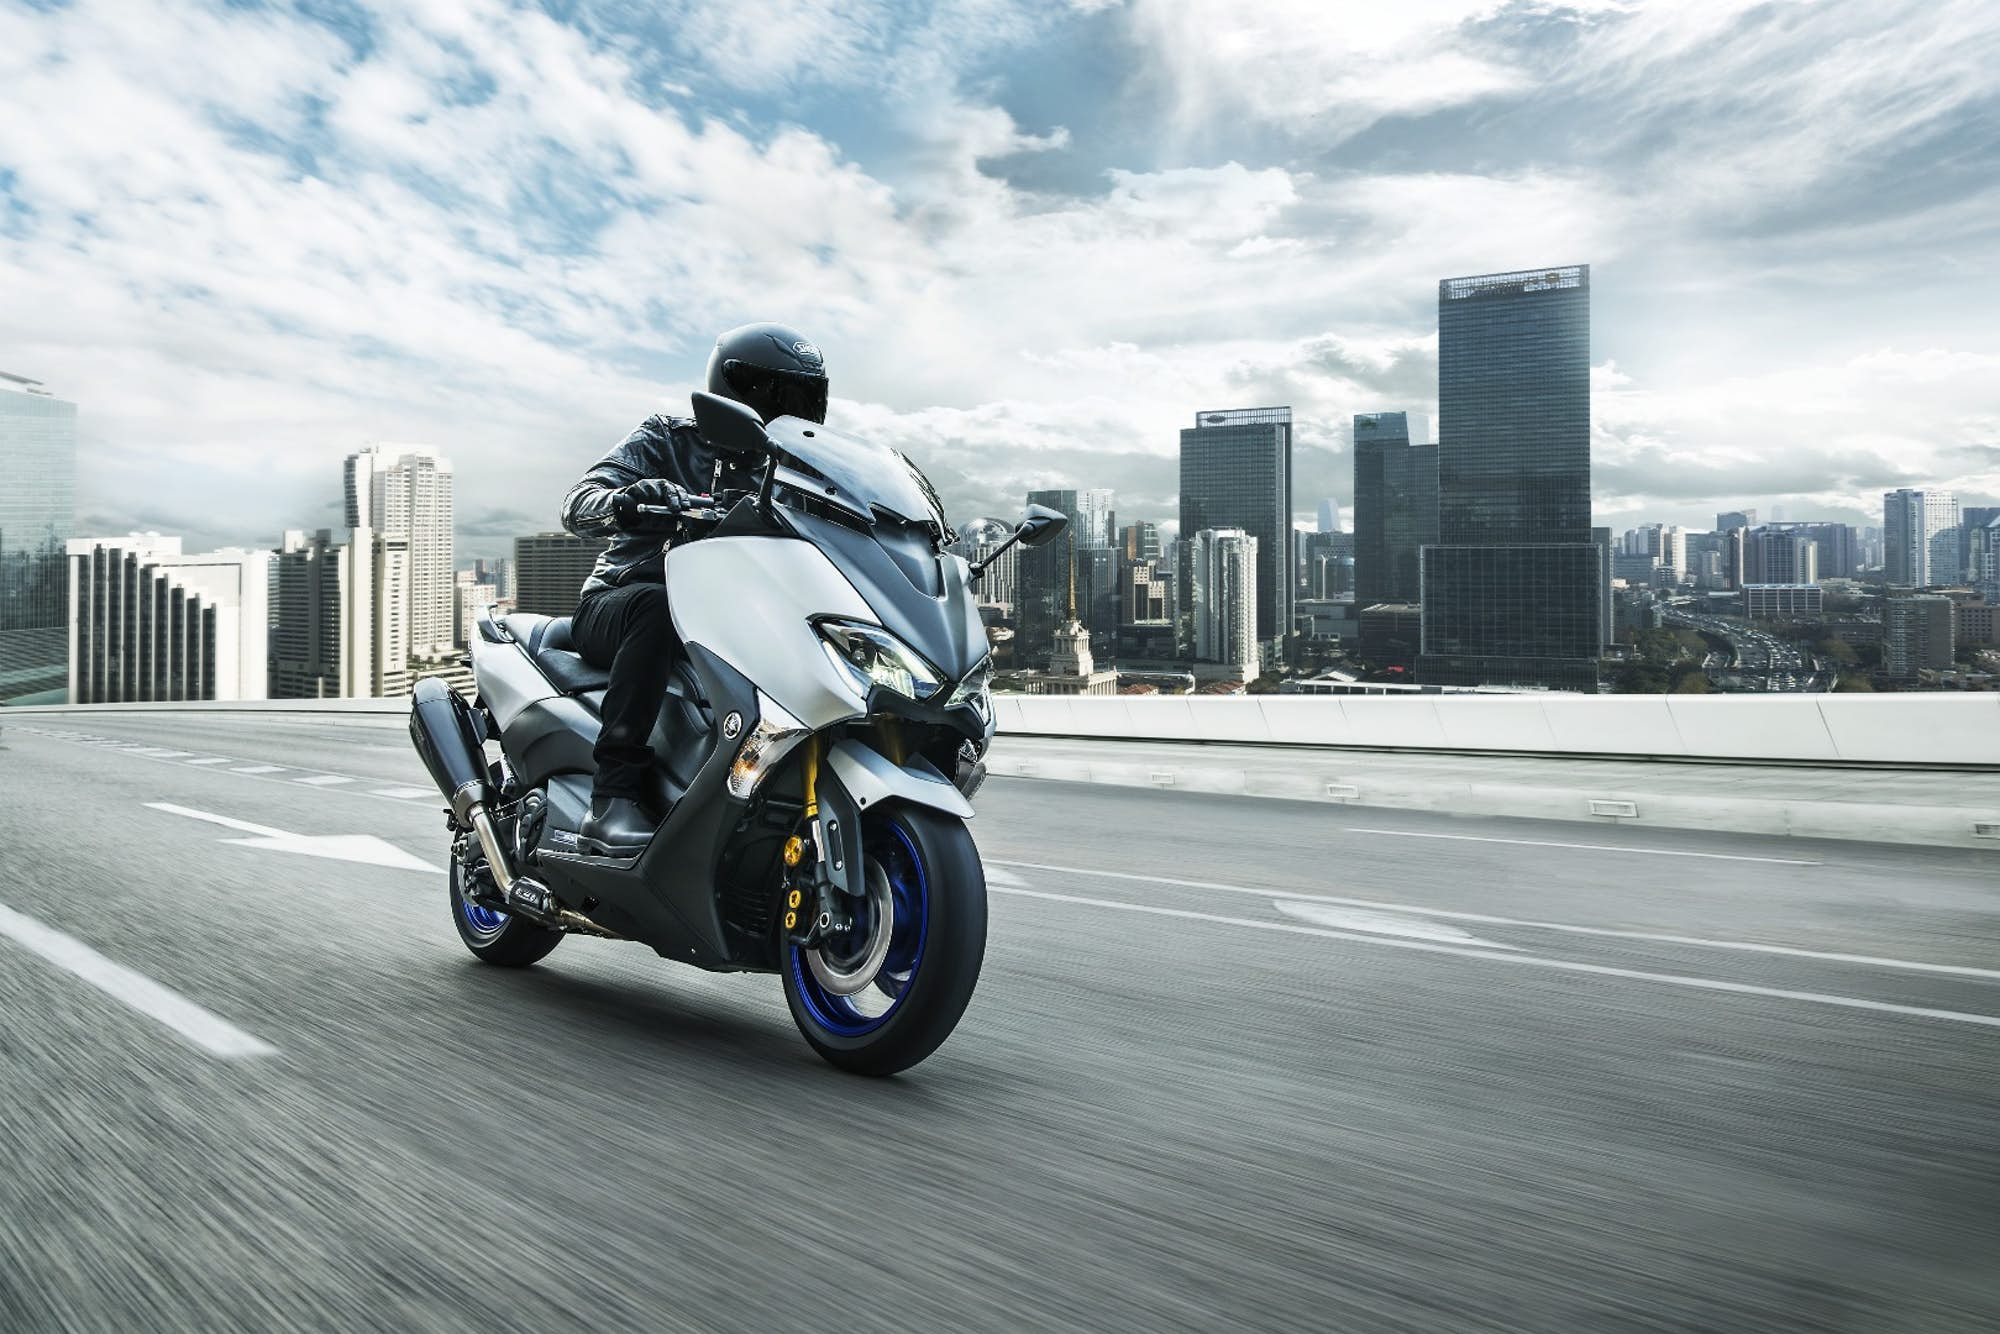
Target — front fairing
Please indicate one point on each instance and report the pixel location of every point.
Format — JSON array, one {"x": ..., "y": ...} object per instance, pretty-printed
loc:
[{"x": 917, "y": 593}]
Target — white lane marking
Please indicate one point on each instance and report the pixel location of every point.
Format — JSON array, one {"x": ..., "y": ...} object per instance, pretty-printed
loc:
[
  {"x": 1590, "y": 847},
  {"x": 160, "y": 753},
  {"x": 1525, "y": 960},
  {"x": 1527, "y": 924},
  {"x": 213, "y": 759},
  {"x": 364, "y": 848},
  {"x": 404, "y": 793},
  {"x": 210, "y": 1032},
  {"x": 258, "y": 769},
  {"x": 1380, "y": 923},
  {"x": 323, "y": 780}
]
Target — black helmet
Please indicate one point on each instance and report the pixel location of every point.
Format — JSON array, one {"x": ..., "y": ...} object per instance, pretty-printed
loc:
[{"x": 770, "y": 369}]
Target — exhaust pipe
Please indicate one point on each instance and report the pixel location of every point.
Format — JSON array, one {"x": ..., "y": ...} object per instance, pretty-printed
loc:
[{"x": 449, "y": 737}]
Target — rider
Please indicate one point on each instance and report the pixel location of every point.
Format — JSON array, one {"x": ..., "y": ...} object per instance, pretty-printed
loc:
[{"x": 621, "y": 620}]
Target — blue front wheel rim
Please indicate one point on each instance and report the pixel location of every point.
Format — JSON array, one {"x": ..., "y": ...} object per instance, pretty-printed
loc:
[{"x": 909, "y": 895}]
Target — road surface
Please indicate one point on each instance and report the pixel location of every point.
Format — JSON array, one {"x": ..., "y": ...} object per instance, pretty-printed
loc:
[{"x": 1233, "y": 1064}]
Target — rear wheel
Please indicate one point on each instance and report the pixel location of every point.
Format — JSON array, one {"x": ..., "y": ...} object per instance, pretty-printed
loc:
[
  {"x": 497, "y": 937},
  {"x": 920, "y": 936}
]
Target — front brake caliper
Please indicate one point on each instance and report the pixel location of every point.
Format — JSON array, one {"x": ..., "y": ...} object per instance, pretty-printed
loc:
[{"x": 814, "y": 912}]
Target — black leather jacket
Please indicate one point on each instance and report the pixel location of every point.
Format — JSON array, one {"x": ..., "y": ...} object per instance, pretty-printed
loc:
[{"x": 668, "y": 447}]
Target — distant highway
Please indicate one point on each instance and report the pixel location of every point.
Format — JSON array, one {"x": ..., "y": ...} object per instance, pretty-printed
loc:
[
  {"x": 1234, "y": 1064},
  {"x": 1759, "y": 661}
]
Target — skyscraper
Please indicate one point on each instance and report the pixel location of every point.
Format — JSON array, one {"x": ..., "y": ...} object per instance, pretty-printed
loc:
[
  {"x": 1729, "y": 520},
  {"x": 1236, "y": 472},
  {"x": 1043, "y": 574},
  {"x": 1510, "y": 589},
  {"x": 403, "y": 493},
  {"x": 1395, "y": 508},
  {"x": 1780, "y": 554},
  {"x": 1917, "y": 632},
  {"x": 1920, "y": 538},
  {"x": 1329, "y": 515},
  {"x": 549, "y": 570},
  {"x": 1974, "y": 524},
  {"x": 340, "y": 628},
  {"x": 1225, "y": 572},
  {"x": 37, "y": 505},
  {"x": 149, "y": 622}
]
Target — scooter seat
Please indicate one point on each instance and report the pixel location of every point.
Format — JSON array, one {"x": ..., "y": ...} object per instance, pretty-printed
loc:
[{"x": 548, "y": 642}]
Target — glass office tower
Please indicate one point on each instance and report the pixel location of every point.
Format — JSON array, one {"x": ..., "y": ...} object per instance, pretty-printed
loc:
[
  {"x": 1510, "y": 590},
  {"x": 37, "y": 509},
  {"x": 1395, "y": 508},
  {"x": 1236, "y": 472},
  {"x": 1046, "y": 575}
]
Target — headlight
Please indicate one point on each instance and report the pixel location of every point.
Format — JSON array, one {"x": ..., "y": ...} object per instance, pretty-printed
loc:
[
  {"x": 973, "y": 690},
  {"x": 871, "y": 656}
]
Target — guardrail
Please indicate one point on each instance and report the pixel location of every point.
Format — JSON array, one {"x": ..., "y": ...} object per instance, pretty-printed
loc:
[
  {"x": 1927, "y": 731},
  {"x": 1933, "y": 731}
]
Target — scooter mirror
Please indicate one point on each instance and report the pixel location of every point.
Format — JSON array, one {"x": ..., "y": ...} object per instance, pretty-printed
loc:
[
  {"x": 730, "y": 426},
  {"x": 1041, "y": 525}
]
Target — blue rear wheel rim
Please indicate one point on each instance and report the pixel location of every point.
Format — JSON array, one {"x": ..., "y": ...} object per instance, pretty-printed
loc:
[
  {"x": 479, "y": 919},
  {"x": 909, "y": 900}
]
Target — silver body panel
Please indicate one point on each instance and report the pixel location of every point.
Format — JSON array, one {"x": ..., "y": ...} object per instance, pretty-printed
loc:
[
  {"x": 508, "y": 679},
  {"x": 872, "y": 778},
  {"x": 748, "y": 600}
]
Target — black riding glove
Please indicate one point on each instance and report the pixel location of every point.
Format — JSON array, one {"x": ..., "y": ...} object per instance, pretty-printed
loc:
[{"x": 652, "y": 492}]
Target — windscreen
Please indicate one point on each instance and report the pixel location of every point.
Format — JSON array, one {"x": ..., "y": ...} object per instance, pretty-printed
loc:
[{"x": 853, "y": 474}]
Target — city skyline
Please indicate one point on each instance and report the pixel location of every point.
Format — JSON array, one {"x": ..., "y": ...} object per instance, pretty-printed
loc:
[{"x": 1054, "y": 232}]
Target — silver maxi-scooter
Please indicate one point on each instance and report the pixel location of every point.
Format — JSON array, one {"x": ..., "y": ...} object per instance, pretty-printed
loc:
[{"x": 814, "y": 756}]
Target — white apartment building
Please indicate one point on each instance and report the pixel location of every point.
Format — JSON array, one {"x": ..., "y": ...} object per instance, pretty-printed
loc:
[
  {"x": 151, "y": 622},
  {"x": 1223, "y": 595},
  {"x": 403, "y": 493}
]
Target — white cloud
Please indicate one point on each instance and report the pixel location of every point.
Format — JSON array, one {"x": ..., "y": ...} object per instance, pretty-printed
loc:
[{"x": 246, "y": 249}]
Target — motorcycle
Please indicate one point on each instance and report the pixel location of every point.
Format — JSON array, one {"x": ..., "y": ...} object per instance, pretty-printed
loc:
[{"x": 815, "y": 753}]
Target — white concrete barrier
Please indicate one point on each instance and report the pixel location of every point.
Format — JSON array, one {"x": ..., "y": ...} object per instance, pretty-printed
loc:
[{"x": 1928, "y": 730}]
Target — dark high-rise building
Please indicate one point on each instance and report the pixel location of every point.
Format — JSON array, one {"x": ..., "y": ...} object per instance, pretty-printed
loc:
[
  {"x": 1839, "y": 548},
  {"x": 1510, "y": 590},
  {"x": 549, "y": 570},
  {"x": 1974, "y": 525},
  {"x": 1044, "y": 574},
  {"x": 1780, "y": 553},
  {"x": 1236, "y": 472},
  {"x": 1729, "y": 520},
  {"x": 1395, "y": 508},
  {"x": 37, "y": 506},
  {"x": 1141, "y": 541}
]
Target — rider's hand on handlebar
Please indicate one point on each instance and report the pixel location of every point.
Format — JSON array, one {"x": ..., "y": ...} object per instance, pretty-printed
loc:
[{"x": 650, "y": 493}]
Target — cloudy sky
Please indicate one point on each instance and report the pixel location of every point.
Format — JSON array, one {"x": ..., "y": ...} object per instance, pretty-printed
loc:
[{"x": 1034, "y": 237}]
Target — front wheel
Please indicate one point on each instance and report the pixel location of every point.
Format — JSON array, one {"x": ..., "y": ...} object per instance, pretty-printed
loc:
[{"x": 921, "y": 936}]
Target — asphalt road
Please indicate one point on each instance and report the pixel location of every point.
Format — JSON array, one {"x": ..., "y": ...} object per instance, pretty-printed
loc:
[{"x": 1286, "y": 1066}]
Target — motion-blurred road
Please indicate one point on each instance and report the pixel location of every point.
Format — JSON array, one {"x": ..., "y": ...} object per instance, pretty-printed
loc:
[{"x": 1233, "y": 1064}]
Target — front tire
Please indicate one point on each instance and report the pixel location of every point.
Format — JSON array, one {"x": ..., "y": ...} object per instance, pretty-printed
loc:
[
  {"x": 496, "y": 937},
  {"x": 937, "y": 943}
]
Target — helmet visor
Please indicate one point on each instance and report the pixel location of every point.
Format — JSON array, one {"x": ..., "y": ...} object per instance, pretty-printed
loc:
[{"x": 774, "y": 393}]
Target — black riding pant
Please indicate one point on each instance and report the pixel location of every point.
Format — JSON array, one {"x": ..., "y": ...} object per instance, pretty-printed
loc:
[{"x": 628, "y": 630}]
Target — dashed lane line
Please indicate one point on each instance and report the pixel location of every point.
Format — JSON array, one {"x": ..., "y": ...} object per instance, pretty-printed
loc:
[
  {"x": 210, "y": 1032},
  {"x": 324, "y": 780},
  {"x": 1522, "y": 960},
  {"x": 1589, "y": 847},
  {"x": 1526, "y": 924}
]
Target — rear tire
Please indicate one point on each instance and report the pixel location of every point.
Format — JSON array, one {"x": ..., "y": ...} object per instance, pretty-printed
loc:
[
  {"x": 940, "y": 893},
  {"x": 496, "y": 937}
]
